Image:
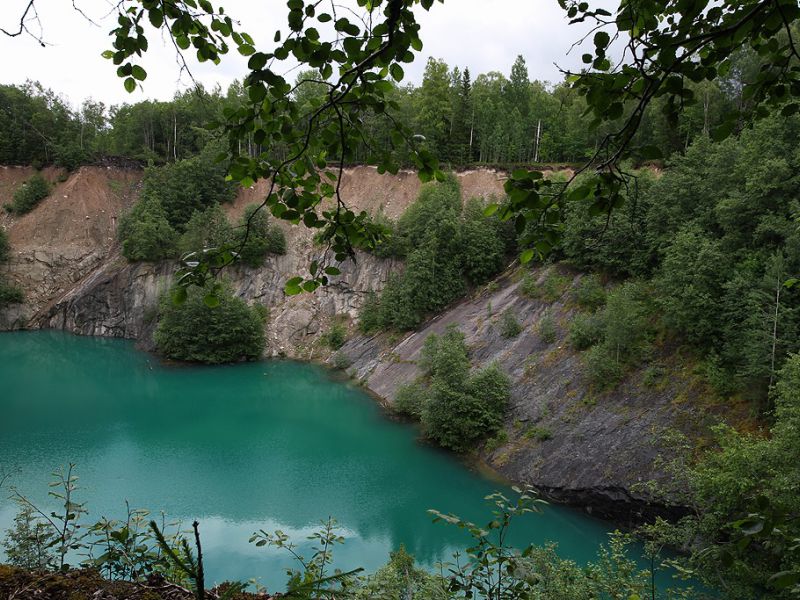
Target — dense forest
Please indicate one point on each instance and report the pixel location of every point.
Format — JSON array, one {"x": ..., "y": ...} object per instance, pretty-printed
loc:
[{"x": 492, "y": 119}]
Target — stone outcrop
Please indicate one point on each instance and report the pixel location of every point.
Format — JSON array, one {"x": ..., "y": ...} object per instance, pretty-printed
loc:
[{"x": 595, "y": 450}]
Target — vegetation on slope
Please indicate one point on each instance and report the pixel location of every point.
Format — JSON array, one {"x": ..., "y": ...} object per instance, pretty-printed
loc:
[
  {"x": 716, "y": 238},
  {"x": 456, "y": 408},
  {"x": 210, "y": 329},
  {"x": 446, "y": 248},
  {"x": 179, "y": 211},
  {"x": 29, "y": 195},
  {"x": 9, "y": 294}
]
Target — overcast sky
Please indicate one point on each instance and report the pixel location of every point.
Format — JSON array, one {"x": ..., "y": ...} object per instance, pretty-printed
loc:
[{"x": 484, "y": 35}]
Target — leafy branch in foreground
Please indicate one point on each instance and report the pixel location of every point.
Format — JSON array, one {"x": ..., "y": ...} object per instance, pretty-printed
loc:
[
  {"x": 298, "y": 138},
  {"x": 494, "y": 571},
  {"x": 314, "y": 580},
  {"x": 183, "y": 559}
]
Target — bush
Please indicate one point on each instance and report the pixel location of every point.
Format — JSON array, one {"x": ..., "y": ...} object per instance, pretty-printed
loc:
[
  {"x": 550, "y": 290},
  {"x": 602, "y": 369},
  {"x": 370, "y": 318},
  {"x": 341, "y": 361},
  {"x": 262, "y": 237},
  {"x": 29, "y": 195},
  {"x": 206, "y": 229},
  {"x": 585, "y": 331},
  {"x": 540, "y": 434},
  {"x": 445, "y": 249},
  {"x": 460, "y": 409},
  {"x": 547, "y": 329},
  {"x": 626, "y": 321},
  {"x": 145, "y": 232},
  {"x": 590, "y": 293},
  {"x": 445, "y": 357},
  {"x": 410, "y": 399},
  {"x": 498, "y": 440},
  {"x": 484, "y": 250},
  {"x": 509, "y": 326},
  {"x": 196, "y": 332},
  {"x": 5, "y": 247},
  {"x": 30, "y": 542},
  {"x": 391, "y": 244},
  {"x": 10, "y": 294},
  {"x": 276, "y": 240},
  {"x": 189, "y": 185},
  {"x": 335, "y": 337}
]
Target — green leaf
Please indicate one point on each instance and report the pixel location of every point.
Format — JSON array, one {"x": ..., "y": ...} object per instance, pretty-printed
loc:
[
  {"x": 130, "y": 85},
  {"x": 601, "y": 39},
  {"x": 292, "y": 287},
  {"x": 178, "y": 295},
  {"x": 526, "y": 256},
  {"x": 490, "y": 209},
  {"x": 784, "y": 579},
  {"x": 397, "y": 72},
  {"x": 139, "y": 73},
  {"x": 211, "y": 300}
]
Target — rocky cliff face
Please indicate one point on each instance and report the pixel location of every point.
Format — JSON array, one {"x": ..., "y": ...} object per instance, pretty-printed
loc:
[
  {"x": 588, "y": 449},
  {"x": 594, "y": 450}
]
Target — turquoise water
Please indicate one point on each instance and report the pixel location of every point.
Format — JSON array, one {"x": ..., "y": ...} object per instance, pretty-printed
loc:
[{"x": 268, "y": 445}]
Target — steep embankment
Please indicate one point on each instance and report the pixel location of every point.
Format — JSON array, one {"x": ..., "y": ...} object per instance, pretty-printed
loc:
[
  {"x": 65, "y": 258},
  {"x": 582, "y": 447}
]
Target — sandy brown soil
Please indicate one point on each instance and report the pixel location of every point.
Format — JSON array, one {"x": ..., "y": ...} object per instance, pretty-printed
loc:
[
  {"x": 363, "y": 188},
  {"x": 80, "y": 212}
]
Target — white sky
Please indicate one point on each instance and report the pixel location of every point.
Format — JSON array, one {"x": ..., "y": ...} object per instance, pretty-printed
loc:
[{"x": 484, "y": 35}]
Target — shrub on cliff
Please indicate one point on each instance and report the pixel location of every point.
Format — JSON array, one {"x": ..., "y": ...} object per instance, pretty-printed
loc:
[
  {"x": 208, "y": 228},
  {"x": 29, "y": 195},
  {"x": 145, "y": 232},
  {"x": 446, "y": 248},
  {"x": 456, "y": 409},
  {"x": 189, "y": 185},
  {"x": 5, "y": 247},
  {"x": 199, "y": 330},
  {"x": 9, "y": 294},
  {"x": 262, "y": 238}
]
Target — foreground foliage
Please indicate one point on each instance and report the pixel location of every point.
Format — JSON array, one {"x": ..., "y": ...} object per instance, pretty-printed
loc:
[
  {"x": 744, "y": 534},
  {"x": 137, "y": 551}
]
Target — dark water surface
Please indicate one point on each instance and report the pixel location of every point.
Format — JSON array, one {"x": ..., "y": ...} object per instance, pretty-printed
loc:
[{"x": 268, "y": 445}]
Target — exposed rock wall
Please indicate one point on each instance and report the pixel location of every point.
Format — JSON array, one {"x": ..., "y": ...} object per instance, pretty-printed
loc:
[{"x": 579, "y": 446}]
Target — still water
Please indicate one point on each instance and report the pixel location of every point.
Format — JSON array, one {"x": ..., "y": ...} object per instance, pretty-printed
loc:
[{"x": 267, "y": 445}]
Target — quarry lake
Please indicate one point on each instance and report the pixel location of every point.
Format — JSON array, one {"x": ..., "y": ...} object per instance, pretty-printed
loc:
[{"x": 267, "y": 445}]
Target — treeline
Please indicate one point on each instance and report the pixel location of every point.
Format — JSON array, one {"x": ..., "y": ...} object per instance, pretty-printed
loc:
[
  {"x": 38, "y": 127},
  {"x": 492, "y": 119}
]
